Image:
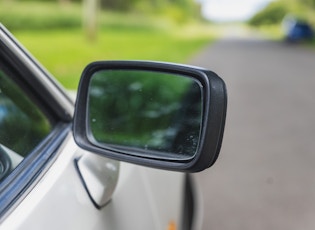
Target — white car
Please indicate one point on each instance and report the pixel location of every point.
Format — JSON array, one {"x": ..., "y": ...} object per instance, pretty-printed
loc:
[{"x": 61, "y": 163}]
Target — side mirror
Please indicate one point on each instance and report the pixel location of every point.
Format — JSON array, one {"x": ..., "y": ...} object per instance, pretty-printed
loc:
[{"x": 154, "y": 114}]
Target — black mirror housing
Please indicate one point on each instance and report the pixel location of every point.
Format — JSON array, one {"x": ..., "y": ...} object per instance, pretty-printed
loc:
[{"x": 162, "y": 142}]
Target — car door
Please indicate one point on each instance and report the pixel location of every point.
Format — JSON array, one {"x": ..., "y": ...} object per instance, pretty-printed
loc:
[{"x": 48, "y": 182}]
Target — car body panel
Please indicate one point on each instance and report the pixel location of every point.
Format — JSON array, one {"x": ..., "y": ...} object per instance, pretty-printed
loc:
[{"x": 144, "y": 199}]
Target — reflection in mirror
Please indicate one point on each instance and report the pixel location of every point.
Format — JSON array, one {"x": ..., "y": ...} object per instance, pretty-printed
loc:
[{"x": 146, "y": 110}]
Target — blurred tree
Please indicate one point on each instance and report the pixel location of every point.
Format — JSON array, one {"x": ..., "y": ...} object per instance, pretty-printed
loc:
[
  {"x": 309, "y": 3},
  {"x": 271, "y": 14},
  {"x": 62, "y": 2},
  {"x": 183, "y": 9},
  {"x": 274, "y": 12},
  {"x": 178, "y": 10},
  {"x": 90, "y": 15},
  {"x": 119, "y": 5}
]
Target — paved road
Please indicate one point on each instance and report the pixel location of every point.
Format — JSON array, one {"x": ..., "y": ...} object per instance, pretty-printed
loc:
[{"x": 265, "y": 175}]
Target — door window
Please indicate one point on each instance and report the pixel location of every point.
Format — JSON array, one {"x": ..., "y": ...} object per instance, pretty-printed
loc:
[{"x": 22, "y": 124}]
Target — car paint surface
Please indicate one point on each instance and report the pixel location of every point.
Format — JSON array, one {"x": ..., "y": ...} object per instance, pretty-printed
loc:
[{"x": 58, "y": 201}]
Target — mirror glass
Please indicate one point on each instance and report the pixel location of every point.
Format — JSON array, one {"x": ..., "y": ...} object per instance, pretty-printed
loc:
[{"x": 155, "y": 114}]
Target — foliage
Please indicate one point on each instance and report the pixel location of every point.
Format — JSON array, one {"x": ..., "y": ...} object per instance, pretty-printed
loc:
[
  {"x": 47, "y": 15},
  {"x": 180, "y": 9},
  {"x": 309, "y": 3},
  {"x": 39, "y": 16},
  {"x": 272, "y": 14},
  {"x": 177, "y": 10},
  {"x": 120, "y": 5},
  {"x": 276, "y": 10}
]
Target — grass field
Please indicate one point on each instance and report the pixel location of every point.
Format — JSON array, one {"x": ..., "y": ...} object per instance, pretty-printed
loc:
[
  {"x": 55, "y": 37},
  {"x": 65, "y": 53}
]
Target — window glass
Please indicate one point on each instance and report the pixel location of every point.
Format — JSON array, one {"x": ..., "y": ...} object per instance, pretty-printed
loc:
[{"x": 22, "y": 124}]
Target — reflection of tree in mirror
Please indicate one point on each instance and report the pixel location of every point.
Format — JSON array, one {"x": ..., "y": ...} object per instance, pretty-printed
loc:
[
  {"x": 146, "y": 109},
  {"x": 188, "y": 122},
  {"x": 22, "y": 124}
]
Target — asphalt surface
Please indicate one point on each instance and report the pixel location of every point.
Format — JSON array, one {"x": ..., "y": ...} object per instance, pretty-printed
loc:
[{"x": 265, "y": 175}]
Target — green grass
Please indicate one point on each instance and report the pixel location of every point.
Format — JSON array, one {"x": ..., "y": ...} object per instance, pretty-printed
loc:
[{"x": 66, "y": 52}]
